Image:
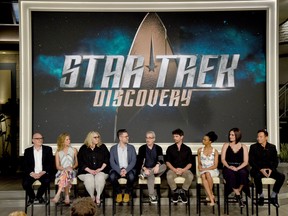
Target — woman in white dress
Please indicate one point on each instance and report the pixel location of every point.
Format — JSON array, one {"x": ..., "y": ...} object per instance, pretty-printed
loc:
[
  {"x": 207, "y": 164},
  {"x": 66, "y": 163}
]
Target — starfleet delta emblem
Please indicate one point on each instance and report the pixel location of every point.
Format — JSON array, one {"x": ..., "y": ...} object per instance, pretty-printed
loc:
[{"x": 151, "y": 74}]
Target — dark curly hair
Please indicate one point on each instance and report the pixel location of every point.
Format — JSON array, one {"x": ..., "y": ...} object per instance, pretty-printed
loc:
[{"x": 212, "y": 136}]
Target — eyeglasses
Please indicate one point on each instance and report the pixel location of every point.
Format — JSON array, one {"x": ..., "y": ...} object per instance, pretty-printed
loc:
[
  {"x": 96, "y": 137},
  {"x": 38, "y": 138},
  {"x": 149, "y": 137}
]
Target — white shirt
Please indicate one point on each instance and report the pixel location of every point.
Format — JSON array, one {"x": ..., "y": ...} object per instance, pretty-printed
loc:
[
  {"x": 122, "y": 155},
  {"x": 38, "y": 160}
]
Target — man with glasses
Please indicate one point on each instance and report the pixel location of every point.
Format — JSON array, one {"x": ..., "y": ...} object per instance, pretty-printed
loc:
[
  {"x": 151, "y": 163},
  {"x": 122, "y": 161},
  {"x": 38, "y": 165}
]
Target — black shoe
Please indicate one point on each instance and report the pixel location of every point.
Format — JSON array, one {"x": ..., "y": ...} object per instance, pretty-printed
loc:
[
  {"x": 183, "y": 196},
  {"x": 261, "y": 201},
  {"x": 175, "y": 197},
  {"x": 41, "y": 200},
  {"x": 30, "y": 201},
  {"x": 274, "y": 201}
]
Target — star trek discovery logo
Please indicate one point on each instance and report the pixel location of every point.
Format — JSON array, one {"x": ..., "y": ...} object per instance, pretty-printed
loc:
[{"x": 150, "y": 74}]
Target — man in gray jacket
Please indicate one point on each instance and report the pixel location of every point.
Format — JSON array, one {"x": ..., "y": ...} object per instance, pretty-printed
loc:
[{"x": 122, "y": 161}]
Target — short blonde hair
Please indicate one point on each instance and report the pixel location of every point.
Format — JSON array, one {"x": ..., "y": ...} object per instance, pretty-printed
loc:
[{"x": 90, "y": 136}]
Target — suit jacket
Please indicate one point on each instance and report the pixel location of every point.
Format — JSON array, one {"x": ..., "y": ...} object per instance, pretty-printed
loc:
[
  {"x": 47, "y": 160},
  {"x": 260, "y": 157},
  {"x": 114, "y": 160}
]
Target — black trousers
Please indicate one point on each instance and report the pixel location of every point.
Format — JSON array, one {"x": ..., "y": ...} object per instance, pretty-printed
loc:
[
  {"x": 130, "y": 176},
  {"x": 279, "y": 177},
  {"x": 27, "y": 185}
]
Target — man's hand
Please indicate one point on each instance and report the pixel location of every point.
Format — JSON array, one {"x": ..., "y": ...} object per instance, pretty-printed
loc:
[
  {"x": 156, "y": 169},
  {"x": 37, "y": 175},
  {"x": 266, "y": 172},
  {"x": 147, "y": 171},
  {"x": 123, "y": 172},
  {"x": 179, "y": 171}
]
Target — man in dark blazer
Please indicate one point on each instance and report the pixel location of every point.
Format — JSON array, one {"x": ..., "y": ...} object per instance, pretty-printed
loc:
[
  {"x": 263, "y": 160},
  {"x": 38, "y": 164},
  {"x": 123, "y": 159}
]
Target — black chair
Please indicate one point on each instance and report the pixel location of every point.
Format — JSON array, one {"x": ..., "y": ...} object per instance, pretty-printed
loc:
[
  {"x": 61, "y": 202},
  {"x": 179, "y": 181},
  {"x": 202, "y": 199},
  {"x": 122, "y": 181},
  {"x": 230, "y": 200},
  {"x": 254, "y": 198},
  {"x": 82, "y": 192},
  {"x": 36, "y": 184},
  {"x": 142, "y": 183}
]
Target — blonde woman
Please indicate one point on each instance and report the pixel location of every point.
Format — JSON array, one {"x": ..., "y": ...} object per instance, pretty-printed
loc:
[
  {"x": 66, "y": 163},
  {"x": 93, "y": 160}
]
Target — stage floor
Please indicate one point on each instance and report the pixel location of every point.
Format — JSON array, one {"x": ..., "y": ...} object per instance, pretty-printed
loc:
[{"x": 12, "y": 199}]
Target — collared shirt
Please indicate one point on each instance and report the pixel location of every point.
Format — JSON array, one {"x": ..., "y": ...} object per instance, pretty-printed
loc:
[
  {"x": 179, "y": 158},
  {"x": 122, "y": 156},
  {"x": 38, "y": 160},
  {"x": 93, "y": 159}
]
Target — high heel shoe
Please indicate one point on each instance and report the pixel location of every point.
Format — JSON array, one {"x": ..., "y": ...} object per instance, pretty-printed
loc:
[
  {"x": 240, "y": 201},
  {"x": 67, "y": 200},
  {"x": 55, "y": 199},
  {"x": 212, "y": 203}
]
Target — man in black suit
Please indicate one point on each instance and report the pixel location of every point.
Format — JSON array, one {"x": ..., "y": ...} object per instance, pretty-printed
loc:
[
  {"x": 264, "y": 161},
  {"x": 38, "y": 164}
]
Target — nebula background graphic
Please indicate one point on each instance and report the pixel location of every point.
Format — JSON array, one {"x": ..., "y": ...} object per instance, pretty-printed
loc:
[{"x": 56, "y": 34}]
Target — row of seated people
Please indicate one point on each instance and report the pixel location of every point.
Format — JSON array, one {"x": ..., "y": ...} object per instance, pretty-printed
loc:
[{"x": 94, "y": 164}]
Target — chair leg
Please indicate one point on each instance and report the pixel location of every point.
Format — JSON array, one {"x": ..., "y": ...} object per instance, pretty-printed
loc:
[
  {"x": 218, "y": 199},
  {"x": 198, "y": 203},
  {"x": 252, "y": 198},
  {"x": 188, "y": 203},
  {"x": 132, "y": 203},
  {"x": 269, "y": 207},
  {"x": 103, "y": 201},
  {"x": 140, "y": 199},
  {"x": 46, "y": 204},
  {"x": 169, "y": 200},
  {"x": 159, "y": 199},
  {"x": 256, "y": 195},
  {"x": 247, "y": 203},
  {"x": 26, "y": 202},
  {"x": 113, "y": 203}
]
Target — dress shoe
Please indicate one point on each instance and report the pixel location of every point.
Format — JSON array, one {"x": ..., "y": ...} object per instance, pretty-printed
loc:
[
  {"x": 126, "y": 198},
  {"x": 261, "y": 201},
  {"x": 274, "y": 201},
  {"x": 119, "y": 198},
  {"x": 30, "y": 201}
]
